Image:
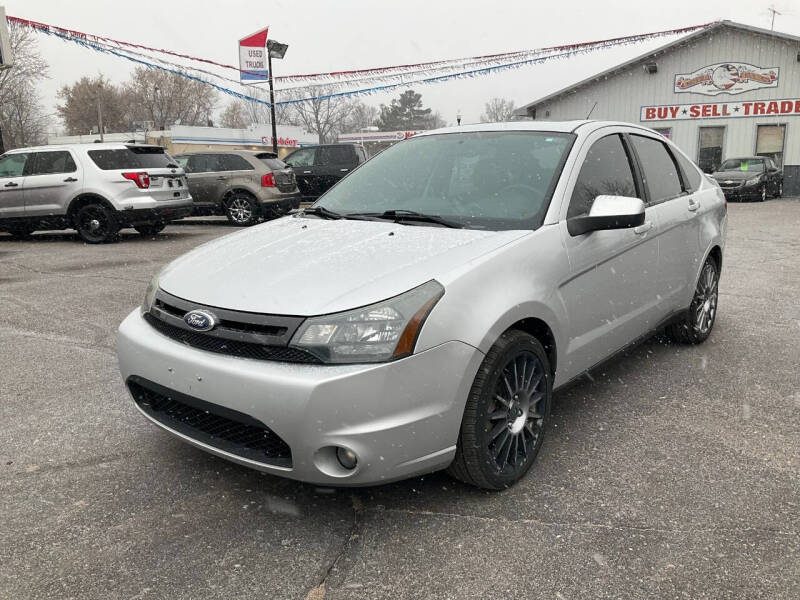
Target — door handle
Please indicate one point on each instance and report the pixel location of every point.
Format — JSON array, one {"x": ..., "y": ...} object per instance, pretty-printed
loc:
[
  {"x": 693, "y": 204},
  {"x": 222, "y": 178},
  {"x": 643, "y": 228},
  {"x": 12, "y": 184},
  {"x": 306, "y": 172},
  {"x": 344, "y": 170},
  {"x": 71, "y": 179}
]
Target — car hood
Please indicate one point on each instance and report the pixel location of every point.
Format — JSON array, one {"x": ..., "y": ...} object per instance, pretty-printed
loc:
[
  {"x": 735, "y": 175},
  {"x": 306, "y": 266}
]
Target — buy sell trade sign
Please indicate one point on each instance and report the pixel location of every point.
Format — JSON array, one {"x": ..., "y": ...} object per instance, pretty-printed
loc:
[{"x": 721, "y": 110}]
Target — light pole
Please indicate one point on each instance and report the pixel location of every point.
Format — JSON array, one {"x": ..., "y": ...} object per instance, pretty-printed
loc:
[
  {"x": 276, "y": 50},
  {"x": 370, "y": 129},
  {"x": 458, "y": 116}
]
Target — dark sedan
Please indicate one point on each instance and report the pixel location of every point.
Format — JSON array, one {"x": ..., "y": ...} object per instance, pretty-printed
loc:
[{"x": 749, "y": 178}]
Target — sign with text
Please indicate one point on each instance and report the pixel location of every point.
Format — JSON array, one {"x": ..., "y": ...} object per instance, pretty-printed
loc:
[
  {"x": 721, "y": 110},
  {"x": 726, "y": 78},
  {"x": 253, "y": 56}
]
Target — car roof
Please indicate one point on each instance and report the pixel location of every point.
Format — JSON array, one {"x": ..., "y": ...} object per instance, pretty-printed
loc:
[
  {"x": 585, "y": 126},
  {"x": 745, "y": 158},
  {"x": 87, "y": 146},
  {"x": 226, "y": 151}
]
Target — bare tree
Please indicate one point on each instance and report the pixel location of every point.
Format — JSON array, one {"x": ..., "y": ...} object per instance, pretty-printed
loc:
[
  {"x": 327, "y": 117},
  {"x": 497, "y": 109},
  {"x": 22, "y": 118},
  {"x": 167, "y": 99},
  {"x": 361, "y": 116},
  {"x": 234, "y": 115},
  {"x": 85, "y": 99}
]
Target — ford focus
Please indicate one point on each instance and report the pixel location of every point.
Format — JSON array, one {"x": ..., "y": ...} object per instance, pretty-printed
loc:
[{"x": 421, "y": 314}]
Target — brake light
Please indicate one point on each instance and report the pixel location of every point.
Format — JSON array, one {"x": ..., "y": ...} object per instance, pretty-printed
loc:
[
  {"x": 268, "y": 180},
  {"x": 141, "y": 179}
]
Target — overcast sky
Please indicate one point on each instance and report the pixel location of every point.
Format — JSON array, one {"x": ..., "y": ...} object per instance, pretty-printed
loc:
[{"x": 349, "y": 34}]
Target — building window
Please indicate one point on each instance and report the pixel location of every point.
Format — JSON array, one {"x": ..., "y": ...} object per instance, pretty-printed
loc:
[
  {"x": 709, "y": 151},
  {"x": 665, "y": 131},
  {"x": 769, "y": 142}
]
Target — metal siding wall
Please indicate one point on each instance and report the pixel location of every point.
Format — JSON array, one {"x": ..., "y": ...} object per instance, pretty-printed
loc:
[{"x": 620, "y": 97}]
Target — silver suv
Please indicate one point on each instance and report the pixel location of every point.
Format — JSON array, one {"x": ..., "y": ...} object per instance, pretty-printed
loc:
[
  {"x": 420, "y": 315},
  {"x": 96, "y": 189},
  {"x": 243, "y": 185}
]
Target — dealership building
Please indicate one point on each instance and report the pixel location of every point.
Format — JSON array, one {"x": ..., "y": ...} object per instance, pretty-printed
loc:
[{"x": 725, "y": 91}]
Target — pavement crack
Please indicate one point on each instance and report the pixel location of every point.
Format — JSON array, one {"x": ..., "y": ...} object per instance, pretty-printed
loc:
[
  {"x": 589, "y": 524},
  {"x": 346, "y": 555}
]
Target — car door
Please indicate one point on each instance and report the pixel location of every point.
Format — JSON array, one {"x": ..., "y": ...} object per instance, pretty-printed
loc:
[
  {"x": 53, "y": 179},
  {"x": 12, "y": 184},
  {"x": 774, "y": 176},
  {"x": 202, "y": 181},
  {"x": 302, "y": 163},
  {"x": 238, "y": 170},
  {"x": 333, "y": 163},
  {"x": 675, "y": 206},
  {"x": 610, "y": 293}
]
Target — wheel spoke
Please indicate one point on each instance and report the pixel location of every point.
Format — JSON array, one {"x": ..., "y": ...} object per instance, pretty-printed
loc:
[
  {"x": 497, "y": 414},
  {"x": 534, "y": 384},
  {"x": 502, "y": 400},
  {"x": 508, "y": 386},
  {"x": 498, "y": 429},
  {"x": 507, "y": 450},
  {"x": 499, "y": 446}
]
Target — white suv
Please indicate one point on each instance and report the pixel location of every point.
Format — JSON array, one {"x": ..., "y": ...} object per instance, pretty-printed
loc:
[{"x": 96, "y": 189}]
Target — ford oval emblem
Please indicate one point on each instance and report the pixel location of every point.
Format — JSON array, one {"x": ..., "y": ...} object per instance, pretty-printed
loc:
[{"x": 200, "y": 320}]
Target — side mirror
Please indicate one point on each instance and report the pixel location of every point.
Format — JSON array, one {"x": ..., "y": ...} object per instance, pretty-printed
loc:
[{"x": 608, "y": 212}]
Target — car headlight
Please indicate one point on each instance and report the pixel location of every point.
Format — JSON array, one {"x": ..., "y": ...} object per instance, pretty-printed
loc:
[
  {"x": 379, "y": 332},
  {"x": 753, "y": 181},
  {"x": 150, "y": 294}
]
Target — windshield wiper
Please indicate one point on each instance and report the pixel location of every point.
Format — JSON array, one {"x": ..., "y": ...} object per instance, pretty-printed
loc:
[
  {"x": 321, "y": 211},
  {"x": 399, "y": 216}
]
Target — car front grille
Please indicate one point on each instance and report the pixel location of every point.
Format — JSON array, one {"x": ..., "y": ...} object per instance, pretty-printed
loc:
[
  {"x": 203, "y": 341},
  {"x": 213, "y": 425},
  {"x": 237, "y": 333}
]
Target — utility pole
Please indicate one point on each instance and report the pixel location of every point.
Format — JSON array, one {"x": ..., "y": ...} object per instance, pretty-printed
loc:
[
  {"x": 99, "y": 109},
  {"x": 272, "y": 105},
  {"x": 774, "y": 12}
]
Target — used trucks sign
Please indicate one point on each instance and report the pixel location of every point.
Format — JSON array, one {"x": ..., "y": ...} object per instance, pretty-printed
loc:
[{"x": 253, "y": 56}]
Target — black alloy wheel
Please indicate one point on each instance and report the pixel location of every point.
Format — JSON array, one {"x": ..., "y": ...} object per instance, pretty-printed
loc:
[
  {"x": 504, "y": 420},
  {"x": 96, "y": 224},
  {"x": 763, "y": 196},
  {"x": 150, "y": 229},
  {"x": 696, "y": 325},
  {"x": 779, "y": 190},
  {"x": 242, "y": 209}
]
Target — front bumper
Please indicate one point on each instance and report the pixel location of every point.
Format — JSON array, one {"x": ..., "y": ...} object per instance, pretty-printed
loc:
[
  {"x": 400, "y": 418},
  {"x": 748, "y": 192}
]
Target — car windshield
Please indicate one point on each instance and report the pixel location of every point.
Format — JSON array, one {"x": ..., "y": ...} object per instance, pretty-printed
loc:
[
  {"x": 743, "y": 164},
  {"x": 482, "y": 180}
]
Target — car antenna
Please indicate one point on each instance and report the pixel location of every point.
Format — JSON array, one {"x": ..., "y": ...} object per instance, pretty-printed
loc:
[{"x": 591, "y": 110}]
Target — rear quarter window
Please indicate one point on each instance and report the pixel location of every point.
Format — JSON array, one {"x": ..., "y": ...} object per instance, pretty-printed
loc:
[{"x": 131, "y": 158}]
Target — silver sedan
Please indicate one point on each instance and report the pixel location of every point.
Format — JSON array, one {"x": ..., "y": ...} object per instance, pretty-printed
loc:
[{"x": 419, "y": 316}]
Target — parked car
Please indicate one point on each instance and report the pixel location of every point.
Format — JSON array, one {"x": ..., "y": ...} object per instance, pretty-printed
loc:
[
  {"x": 420, "y": 315},
  {"x": 243, "y": 185},
  {"x": 749, "y": 178},
  {"x": 318, "y": 168},
  {"x": 96, "y": 189}
]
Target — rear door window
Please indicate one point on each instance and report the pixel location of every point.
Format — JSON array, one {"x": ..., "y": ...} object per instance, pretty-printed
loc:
[
  {"x": 691, "y": 176},
  {"x": 132, "y": 157},
  {"x": 606, "y": 170},
  {"x": 336, "y": 155},
  {"x": 659, "y": 171},
  {"x": 50, "y": 163},
  {"x": 13, "y": 165},
  {"x": 234, "y": 162}
]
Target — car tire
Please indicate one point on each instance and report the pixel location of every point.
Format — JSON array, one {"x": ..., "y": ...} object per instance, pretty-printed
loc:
[
  {"x": 779, "y": 191},
  {"x": 96, "y": 223},
  {"x": 150, "y": 229},
  {"x": 763, "y": 195},
  {"x": 696, "y": 325},
  {"x": 506, "y": 413},
  {"x": 242, "y": 209}
]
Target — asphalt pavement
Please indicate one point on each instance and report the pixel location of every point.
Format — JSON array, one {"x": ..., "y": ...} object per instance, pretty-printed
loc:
[{"x": 673, "y": 472}]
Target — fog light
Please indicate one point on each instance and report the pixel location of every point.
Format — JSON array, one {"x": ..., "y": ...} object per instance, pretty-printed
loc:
[{"x": 347, "y": 458}]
